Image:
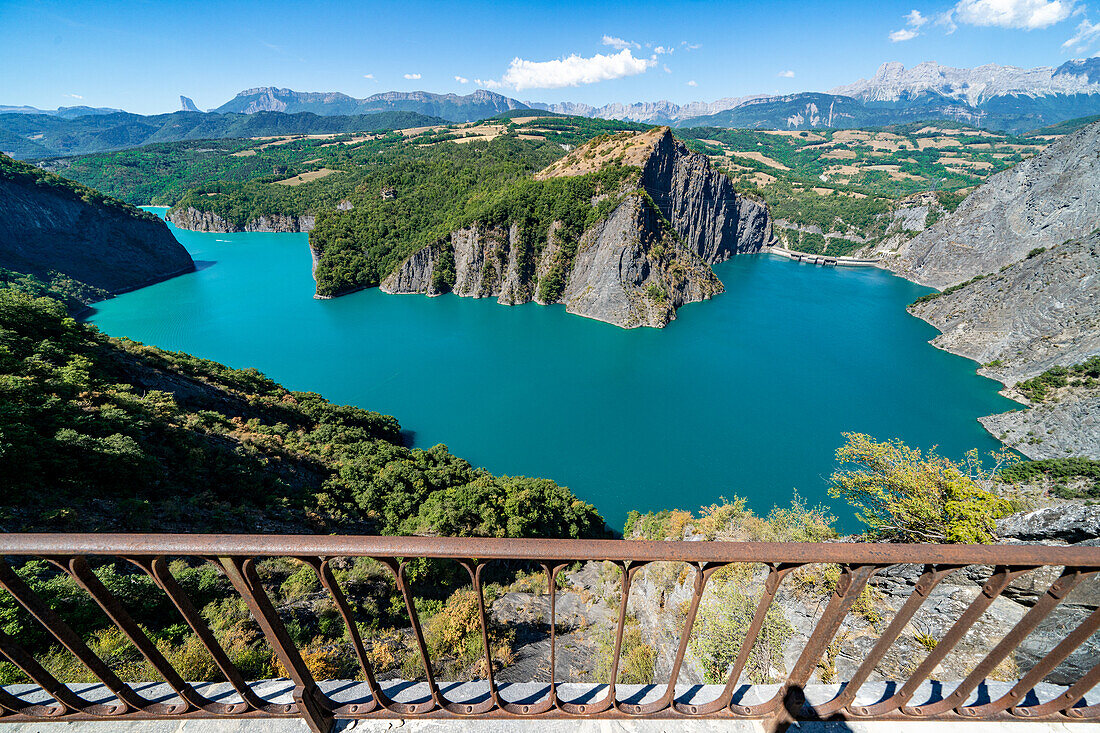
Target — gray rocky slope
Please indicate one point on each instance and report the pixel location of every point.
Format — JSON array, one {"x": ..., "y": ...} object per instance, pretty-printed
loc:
[
  {"x": 633, "y": 268},
  {"x": 1026, "y": 246},
  {"x": 1040, "y": 202},
  {"x": 110, "y": 246},
  {"x": 1038, "y": 313}
]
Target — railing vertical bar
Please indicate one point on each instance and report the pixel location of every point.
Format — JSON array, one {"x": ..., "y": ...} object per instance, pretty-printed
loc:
[
  {"x": 552, "y": 585},
  {"x": 1066, "y": 701},
  {"x": 998, "y": 581},
  {"x": 1069, "y": 579},
  {"x": 494, "y": 694},
  {"x": 79, "y": 570},
  {"x": 788, "y": 701},
  {"x": 931, "y": 577},
  {"x": 398, "y": 570},
  {"x": 66, "y": 698},
  {"x": 311, "y": 703},
  {"x": 702, "y": 575},
  {"x": 1045, "y": 666},
  {"x": 328, "y": 580},
  {"x": 774, "y": 578},
  {"x": 69, "y": 639},
  {"x": 157, "y": 569}
]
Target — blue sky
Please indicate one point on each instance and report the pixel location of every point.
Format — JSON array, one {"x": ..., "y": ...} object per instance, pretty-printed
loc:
[{"x": 141, "y": 56}]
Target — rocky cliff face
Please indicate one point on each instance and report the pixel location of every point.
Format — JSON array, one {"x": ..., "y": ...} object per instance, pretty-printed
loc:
[
  {"x": 1031, "y": 235},
  {"x": 49, "y": 228},
  {"x": 701, "y": 204},
  {"x": 1040, "y": 202},
  {"x": 207, "y": 221},
  {"x": 633, "y": 268},
  {"x": 1037, "y": 313}
]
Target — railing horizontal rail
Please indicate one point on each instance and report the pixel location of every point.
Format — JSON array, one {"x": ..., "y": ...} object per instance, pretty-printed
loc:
[
  {"x": 863, "y": 553},
  {"x": 318, "y": 699}
]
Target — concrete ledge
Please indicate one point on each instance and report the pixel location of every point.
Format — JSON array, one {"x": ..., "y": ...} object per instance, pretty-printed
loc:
[{"x": 353, "y": 691}]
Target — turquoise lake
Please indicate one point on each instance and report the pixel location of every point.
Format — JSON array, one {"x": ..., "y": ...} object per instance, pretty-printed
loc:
[{"x": 746, "y": 394}]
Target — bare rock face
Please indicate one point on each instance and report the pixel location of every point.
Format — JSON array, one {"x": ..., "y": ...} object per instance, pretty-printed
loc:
[
  {"x": 113, "y": 248},
  {"x": 701, "y": 204},
  {"x": 414, "y": 275},
  {"x": 636, "y": 267},
  {"x": 1063, "y": 522},
  {"x": 630, "y": 273},
  {"x": 1068, "y": 427},
  {"x": 1037, "y": 313},
  {"x": 207, "y": 221},
  {"x": 1040, "y": 202}
]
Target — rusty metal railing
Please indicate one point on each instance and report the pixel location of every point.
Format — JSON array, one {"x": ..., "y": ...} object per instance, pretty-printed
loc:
[{"x": 237, "y": 556}]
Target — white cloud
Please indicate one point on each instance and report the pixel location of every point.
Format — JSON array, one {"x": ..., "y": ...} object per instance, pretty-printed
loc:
[
  {"x": 662, "y": 49},
  {"x": 689, "y": 46},
  {"x": 788, "y": 74},
  {"x": 461, "y": 79},
  {"x": 412, "y": 76},
  {"x": 488, "y": 83},
  {"x": 368, "y": 76},
  {"x": 75, "y": 96},
  {"x": 618, "y": 43},
  {"x": 667, "y": 70},
  {"x": 693, "y": 83},
  {"x": 1025, "y": 14},
  {"x": 905, "y": 34},
  {"x": 570, "y": 71},
  {"x": 915, "y": 19},
  {"x": 1086, "y": 34}
]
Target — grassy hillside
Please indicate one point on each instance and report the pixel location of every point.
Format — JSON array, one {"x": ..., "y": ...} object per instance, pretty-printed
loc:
[
  {"x": 126, "y": 436},
  {"x": 37, "y": 136}
]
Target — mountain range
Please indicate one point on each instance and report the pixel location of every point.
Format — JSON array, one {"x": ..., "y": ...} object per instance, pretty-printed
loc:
[
  {"x": 452, "y": 107},
  {"x": 1006, "y": 98},
  {"x": 1000, "y": 97}
]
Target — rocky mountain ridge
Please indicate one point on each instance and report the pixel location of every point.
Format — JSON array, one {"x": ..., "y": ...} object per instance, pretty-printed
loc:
[
  {"x": 892, "y": 82},
  {"x": 1040, "y": 202},
  {"x": 451, "y": 107},
  {"x": 635, "y": 267}
]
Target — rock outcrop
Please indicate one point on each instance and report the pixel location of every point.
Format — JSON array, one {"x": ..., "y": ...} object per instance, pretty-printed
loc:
[
  {"x": 207, "y": 221},
  {"x": 635, "y": 267},
  {"x": 49, "y": 225},
  {"x": 1040, "y": 202},
  {"x": 1069, "y": 426},
  {"x": 1035, "y": 314}
]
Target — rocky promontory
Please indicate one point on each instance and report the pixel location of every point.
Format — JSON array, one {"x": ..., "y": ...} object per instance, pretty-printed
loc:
[
  {"x": 51, "y": 226},
  {"x": 207, "y": 221},
  {"x": 634, "y": 267}
]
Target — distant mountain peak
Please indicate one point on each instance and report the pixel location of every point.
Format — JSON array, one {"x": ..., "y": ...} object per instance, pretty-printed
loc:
[
  {"x": 892, "y": 82},
  {"x": 187, "y": 105}
]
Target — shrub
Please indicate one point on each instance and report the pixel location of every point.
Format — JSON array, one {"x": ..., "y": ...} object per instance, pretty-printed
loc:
[{"x": 905, "y": 496}]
